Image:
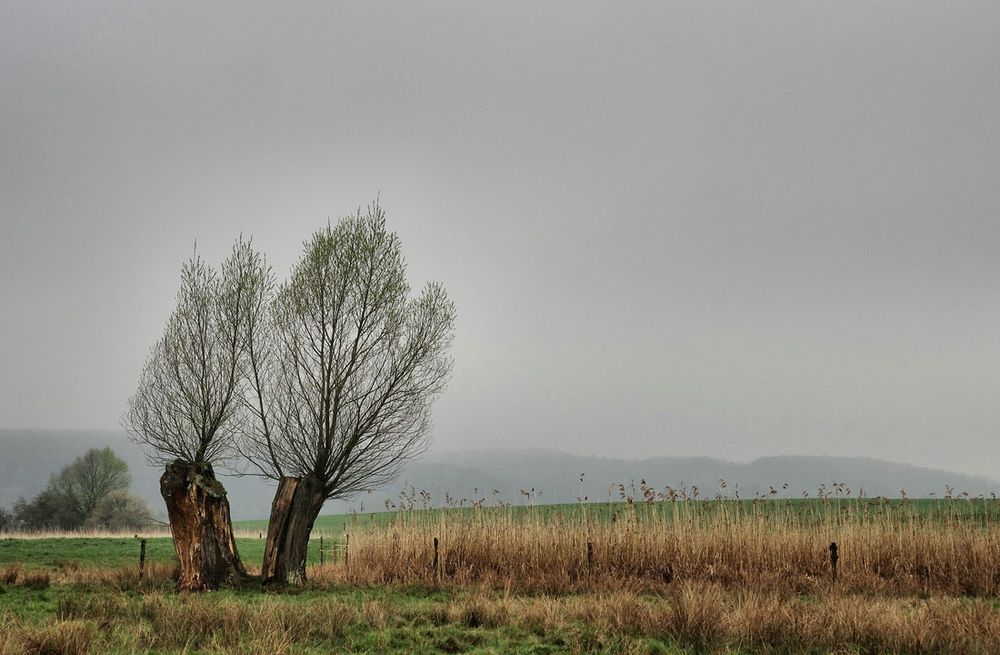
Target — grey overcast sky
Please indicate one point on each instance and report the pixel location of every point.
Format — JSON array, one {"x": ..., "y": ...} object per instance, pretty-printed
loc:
[{"x": 705, "y": 228}]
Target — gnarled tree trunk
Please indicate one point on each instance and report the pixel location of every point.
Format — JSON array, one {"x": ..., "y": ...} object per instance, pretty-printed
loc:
[
  {"x": 297, "y": 503},
  {"x": 201, "y": 526}
]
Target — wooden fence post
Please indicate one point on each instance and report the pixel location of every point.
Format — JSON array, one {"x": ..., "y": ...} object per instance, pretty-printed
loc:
[
  {"x": 347, "y": 552},
  {"x": 590, "y": 557},
  {"x": 833, "y": 559},
  {"x": 321, "y": 550},
  {"x": 436, "y": 575},
  {"x": 142, "y": 558}
]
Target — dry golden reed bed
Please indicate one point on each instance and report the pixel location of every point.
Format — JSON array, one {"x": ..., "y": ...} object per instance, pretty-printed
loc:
[{"x": 647, "y": 546}]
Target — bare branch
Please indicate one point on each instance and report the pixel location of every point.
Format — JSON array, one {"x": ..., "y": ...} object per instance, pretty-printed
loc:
[
  {"x": 348, "y": 365},
  {"x": 190, "y": 401}
]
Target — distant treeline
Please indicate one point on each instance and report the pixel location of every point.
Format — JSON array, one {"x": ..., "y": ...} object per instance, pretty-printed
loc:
[{"x": 90, "y": 493}]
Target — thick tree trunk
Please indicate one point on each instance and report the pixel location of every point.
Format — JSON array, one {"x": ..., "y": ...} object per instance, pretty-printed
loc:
[
  {"x": 297, "y": 503},
  {"x": 201, "y": 526}
]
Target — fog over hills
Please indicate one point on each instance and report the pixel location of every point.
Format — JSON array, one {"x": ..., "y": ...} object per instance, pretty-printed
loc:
[{"x": 28, "y": 457}]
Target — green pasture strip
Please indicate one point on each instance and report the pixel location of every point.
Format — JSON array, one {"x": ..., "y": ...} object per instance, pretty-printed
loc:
[
  {"x": 60, "y": 552},
  {"x": 56, "y": 553},
  {"x": 806, "y": 510}
]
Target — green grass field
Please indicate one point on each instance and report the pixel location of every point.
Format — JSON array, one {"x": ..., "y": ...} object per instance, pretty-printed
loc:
[
  {"x": 78, "y": 594},
  {"x": 56, "y": 553}
]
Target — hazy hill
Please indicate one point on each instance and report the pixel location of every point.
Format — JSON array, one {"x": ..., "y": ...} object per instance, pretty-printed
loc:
[
  {"x": 27, "y": 458},
  {"x": 557, "y": 475}
]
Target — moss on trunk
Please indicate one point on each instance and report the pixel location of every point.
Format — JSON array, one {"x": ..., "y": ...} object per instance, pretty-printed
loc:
[{"x": 202, "y": 529}]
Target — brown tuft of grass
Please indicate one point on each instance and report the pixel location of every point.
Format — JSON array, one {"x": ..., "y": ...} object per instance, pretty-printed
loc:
[
  {"x": 9, "y": 574},
  {"x": 696, "y": 615},
  {"x": 374, "y": 613},
  {"x": 36, "y": 580},
  {"x": 8, "y": 624},
  {"x": 480, "y": 611},
  {"x": 61, "y": 638},
  {"x": 124, "y": 578}
]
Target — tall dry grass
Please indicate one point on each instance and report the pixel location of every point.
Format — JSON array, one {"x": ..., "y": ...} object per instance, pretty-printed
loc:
[{"x": 881, "y": 548}]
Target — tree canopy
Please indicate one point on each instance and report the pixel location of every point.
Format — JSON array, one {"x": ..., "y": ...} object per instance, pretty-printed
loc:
[
  {"x": 187, "y": 406},
  {"x": 347, "y": 364},
  {"x": 79, "y": 487}
]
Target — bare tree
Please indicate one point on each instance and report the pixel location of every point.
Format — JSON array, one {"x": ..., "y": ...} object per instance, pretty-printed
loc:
[
  {"x": 188, "y": 410},
  {"x": 343, "y": 368}
]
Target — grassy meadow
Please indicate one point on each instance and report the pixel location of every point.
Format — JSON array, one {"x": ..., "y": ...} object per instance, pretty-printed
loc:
[{"x": 649, "y": 574}]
